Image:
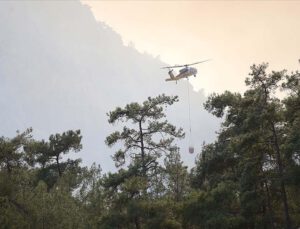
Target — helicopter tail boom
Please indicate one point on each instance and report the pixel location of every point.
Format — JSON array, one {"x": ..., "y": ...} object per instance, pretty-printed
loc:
[{"x": 169, "y": 79}]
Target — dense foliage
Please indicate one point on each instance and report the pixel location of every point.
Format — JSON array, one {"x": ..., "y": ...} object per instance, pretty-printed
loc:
[{"x": 248, "y": 178}]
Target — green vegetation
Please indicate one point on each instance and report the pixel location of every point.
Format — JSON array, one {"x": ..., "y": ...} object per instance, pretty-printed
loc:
[{"x": 248, "y": 178}]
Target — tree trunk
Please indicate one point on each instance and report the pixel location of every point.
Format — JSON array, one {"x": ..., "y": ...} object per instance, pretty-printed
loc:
[
  {"x": 282, "y": 184},
  {"x": 263, "y": 205},
  {"x": 137, "y": 223},
  {"x": 8, "y": 167},
  {"x": 58, "y": 166},
  {"x": 144, "y": 170},
  {"x": 142, "y": 149},
  {"x": 269, "y": 206}
]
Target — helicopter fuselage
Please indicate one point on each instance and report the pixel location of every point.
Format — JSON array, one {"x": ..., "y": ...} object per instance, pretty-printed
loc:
[{"x": 183, "y": 73}]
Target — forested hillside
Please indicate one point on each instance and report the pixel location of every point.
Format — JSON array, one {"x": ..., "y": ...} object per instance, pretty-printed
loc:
[{"x": 247, "y": 178}]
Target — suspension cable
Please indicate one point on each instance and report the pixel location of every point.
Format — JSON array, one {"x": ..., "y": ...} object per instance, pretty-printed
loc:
[{"x": 189, "y": 103}]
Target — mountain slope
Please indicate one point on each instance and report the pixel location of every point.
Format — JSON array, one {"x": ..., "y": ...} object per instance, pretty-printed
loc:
[{"x": 61, "y": 69}]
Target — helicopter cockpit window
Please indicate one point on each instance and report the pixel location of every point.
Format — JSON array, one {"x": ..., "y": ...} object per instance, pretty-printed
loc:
[{"x": 183, "y": 70}]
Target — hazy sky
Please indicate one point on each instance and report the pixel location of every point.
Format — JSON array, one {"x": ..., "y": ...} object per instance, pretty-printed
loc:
[{"x": 235, "y": 34}]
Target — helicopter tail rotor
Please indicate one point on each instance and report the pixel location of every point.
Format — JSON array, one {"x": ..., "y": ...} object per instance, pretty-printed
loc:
[{"x": 170, "y": 72}]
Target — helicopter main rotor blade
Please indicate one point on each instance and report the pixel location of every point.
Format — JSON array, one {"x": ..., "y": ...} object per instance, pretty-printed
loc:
[
  {"x": 185, "y": 65},
  {"x": 175, "y": 66},
  {"x": 198, "y": 62}
]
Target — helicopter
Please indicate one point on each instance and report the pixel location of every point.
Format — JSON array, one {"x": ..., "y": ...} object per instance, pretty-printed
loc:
[{"x": 185, "y": 72}]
